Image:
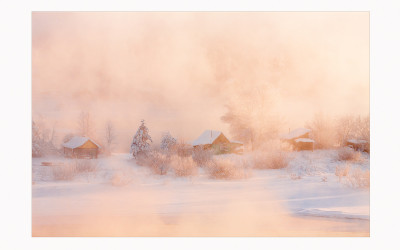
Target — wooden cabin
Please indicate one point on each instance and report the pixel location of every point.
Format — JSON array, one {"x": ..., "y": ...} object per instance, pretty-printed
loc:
[
  {"x": 211, "y": 139},
  {"x": 218, "y": 142},
  {"x": 304, "y": 144},
  {"x": 299, "y": 139},
  {"x": 358, "y": 145},
  {"x": 81, "y": 147}
]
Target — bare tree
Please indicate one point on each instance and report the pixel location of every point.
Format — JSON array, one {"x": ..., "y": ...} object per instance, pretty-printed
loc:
[
  {"x": 109, "y": 137},
  {"x": 323, "y": 130},
  {"x": 85, "y": 124},
  {"x": 36, "y": 141},
  {"x": 344, "y": 129},
  {"x": 362, "y": 125},
  {"x": 43, "y": 140},
  {"x": 352, "y": 127},
  {"x": 251, "y": 117}
]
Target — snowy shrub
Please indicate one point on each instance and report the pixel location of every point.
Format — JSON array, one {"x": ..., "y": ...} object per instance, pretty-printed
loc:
[
  {"x": 36, "y": 150},
  {"x": 272, "y": 160},
  {"x": 342, "y": 171},
  {"x": 183, "y": 166},
  {"x": 354, "y": 177},
  {"x": 85, "y": 166},
  {"x": 225, "y": 168},
  {"x": 295, "y": 176},
  {"x": 140, "y": 142},
  {"x": 323, "y": 131},
  {"x": 142, "y": 158},
  {"x": 278, "y": 161},
  {"x": 348, "y": 154},
  {"x": 64, "y": 172},
  {"x": 202, "y": 156},
  {"x": 183, "y": 149},
  {"x": 353, "y": 127},
  {"x": 359, "y": 178},
  {"x": 167, "y": 142},
  {"x": 158, "y": 162},
  {"x": 70, "y": 169},
  {"x": 43, "y": 141}
]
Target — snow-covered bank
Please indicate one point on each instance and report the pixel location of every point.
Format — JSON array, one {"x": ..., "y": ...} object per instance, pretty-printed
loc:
[{"x": 270, "y": 202}]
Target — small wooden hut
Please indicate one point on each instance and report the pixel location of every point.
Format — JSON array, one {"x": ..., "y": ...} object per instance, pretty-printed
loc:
[
  {"x": 211, "y": 139},
  {"x": 218, "y": 142},
  {"x": 299, "y": 139},
  {"x": 358, "y": 145},
  {"x": 81, "y": 147}
]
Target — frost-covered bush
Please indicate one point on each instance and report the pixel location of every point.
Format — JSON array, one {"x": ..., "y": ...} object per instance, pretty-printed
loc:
[
  {"x": 70, "y": 169},
  {"x": 36, "y": 149},
  {"x": 167, "y": 142},
  {"x": 158, "y": 162},
  {"x": 348, "y": 154},
  {"x": 183, "y": 149},
  {"x": 323, "y": 131},
  {"x": 359, "y": 178},
  {"x": 140, "y": 142},
  {"x": 202, "y": 156},
  {"x": 64, "y": 172},
  {"x": 342, "y": 171},
  {"x": 85, "y": 166},
  {"x": 295, "y": 176},
  {"x": 271, "y": 160},
  {"x": 353, "y": 176},
  {"x": 183, "y": 166},
  {"x": 225, "y": 168},
  {"x": 43, "y": 141}
]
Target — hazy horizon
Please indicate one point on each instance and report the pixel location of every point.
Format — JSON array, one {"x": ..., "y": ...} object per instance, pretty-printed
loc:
[{"x": 179, "y": 70}]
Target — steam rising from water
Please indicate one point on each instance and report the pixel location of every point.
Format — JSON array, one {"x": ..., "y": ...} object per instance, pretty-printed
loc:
[{"x": 178, "y": 70}]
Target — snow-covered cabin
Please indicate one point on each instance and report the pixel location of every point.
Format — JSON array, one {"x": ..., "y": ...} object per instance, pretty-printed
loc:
[
  {"x": 359, "y": 145},
  {"x": 212, "y": 139},
  {"x": 299, "y": 139},
  {"x": 216, "y": 140},
  {"x": 81, "y": 147}
]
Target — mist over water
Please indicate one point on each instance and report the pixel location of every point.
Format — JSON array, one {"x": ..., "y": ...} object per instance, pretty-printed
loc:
[{"x": 179, "y": 70}]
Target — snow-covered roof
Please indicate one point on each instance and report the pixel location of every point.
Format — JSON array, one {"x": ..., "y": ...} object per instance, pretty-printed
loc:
[
  {"x": 295, "y": 133},
  {"x": 207, "y": 137},
  {"x": 304, "y": 140},
  {"x": 355, "y": 141},
  {"x": 78, "y": 141}
]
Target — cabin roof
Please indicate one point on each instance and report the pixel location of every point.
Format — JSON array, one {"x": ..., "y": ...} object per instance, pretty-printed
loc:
[
  {"x": 354, "y": 141},
  {"x": 78, "y": 141},
  {"x": 295, "y": 133},
  {"x": 207, "y": 137}
]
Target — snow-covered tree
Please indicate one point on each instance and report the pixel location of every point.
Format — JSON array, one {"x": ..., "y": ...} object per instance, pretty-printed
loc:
[
  {"x": 43, "y": 140},
  {"x": 167, "y": 142},
  {"x": 141, "y": 141},
  {"x": 36, "y": 141},
  {"x": 85, "y": 124},
  {"x": 109, "y": 137},
  {"x": 323, "y": 130}
]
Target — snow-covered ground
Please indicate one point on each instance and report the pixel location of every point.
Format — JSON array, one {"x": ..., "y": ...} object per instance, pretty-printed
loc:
[{"x": 123, "y": 199}]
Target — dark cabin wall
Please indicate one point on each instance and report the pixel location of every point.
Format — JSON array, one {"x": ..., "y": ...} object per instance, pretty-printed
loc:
[{"x": 81, "y": 153}]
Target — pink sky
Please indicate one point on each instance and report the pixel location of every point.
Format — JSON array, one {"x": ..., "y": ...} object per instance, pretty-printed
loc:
[{"x": 179, "y": 70}]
